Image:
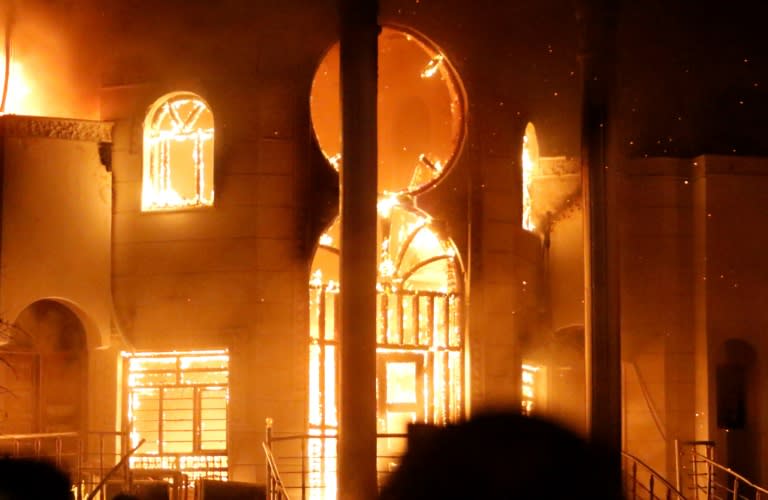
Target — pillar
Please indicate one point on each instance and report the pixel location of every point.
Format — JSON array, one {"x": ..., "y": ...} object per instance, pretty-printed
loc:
[
  {"x": 599, "y": 172},
  {"x": 357, "y": 409}
]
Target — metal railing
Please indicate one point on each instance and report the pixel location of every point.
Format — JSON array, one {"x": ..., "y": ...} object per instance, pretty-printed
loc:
[
  {"x": 694, "y": 476},
  {"x": 642, "y": 482},
  {"x": 97, "y": 463},
  {"x": 84, "y": 457},
  {"x": 275, "y": 487},
  {"x": 709, "y": 480},
  {"x": 307, "y": 463},
  {"x": 99, "y": 489}
]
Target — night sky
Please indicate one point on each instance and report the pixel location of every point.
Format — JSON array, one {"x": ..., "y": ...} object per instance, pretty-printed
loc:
[{"x": 693, "y": 78}]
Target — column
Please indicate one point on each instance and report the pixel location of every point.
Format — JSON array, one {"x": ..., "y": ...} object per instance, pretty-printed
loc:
[
  {"x": 599, "y": 173},
  {"x": 357, "y": 409}
]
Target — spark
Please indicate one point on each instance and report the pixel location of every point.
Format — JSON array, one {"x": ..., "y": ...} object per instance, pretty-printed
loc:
[{"x": 432, "y": 66}]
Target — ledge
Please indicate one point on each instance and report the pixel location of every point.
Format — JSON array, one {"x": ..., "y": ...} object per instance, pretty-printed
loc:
[{"x": 55, "y": 128}]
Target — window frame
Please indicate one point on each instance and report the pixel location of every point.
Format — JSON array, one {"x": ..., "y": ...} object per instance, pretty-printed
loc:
[
  {"x": 200, "y": 454},
  {"x": 157, "y": 192}
]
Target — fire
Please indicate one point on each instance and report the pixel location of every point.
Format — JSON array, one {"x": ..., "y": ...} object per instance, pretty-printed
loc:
[
  {"x": 530, "y": 159},
  {"x": 178, "y": 141},
  {"x": 528, "y": 389},
  {"x": 19, "y": 98},
  {"x": 433, "y": 66}
]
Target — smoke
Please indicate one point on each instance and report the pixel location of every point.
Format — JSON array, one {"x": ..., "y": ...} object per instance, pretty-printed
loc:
[{"x": 53, "y": 58}]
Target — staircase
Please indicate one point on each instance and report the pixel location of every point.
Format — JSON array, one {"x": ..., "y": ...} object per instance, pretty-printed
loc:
[{"x": 703, "y": 478}]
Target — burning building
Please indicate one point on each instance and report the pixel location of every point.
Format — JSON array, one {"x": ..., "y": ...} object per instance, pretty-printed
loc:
[{"x": 169, "y": 259}]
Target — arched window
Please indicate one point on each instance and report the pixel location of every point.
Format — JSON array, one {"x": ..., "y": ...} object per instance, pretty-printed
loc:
[
  {"x": 420, "y": 112},
  {"x": 178, "y": 153},
  {"x": 530, "y": 161}
]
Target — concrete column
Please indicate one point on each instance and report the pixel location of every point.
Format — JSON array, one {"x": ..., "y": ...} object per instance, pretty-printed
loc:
[
  {"x": 599, "y": 173},
  {"x": 357, "y": 409}
]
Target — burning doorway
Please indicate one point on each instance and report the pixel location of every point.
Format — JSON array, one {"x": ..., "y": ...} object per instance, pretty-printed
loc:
[{"x": 421, "y": 368}]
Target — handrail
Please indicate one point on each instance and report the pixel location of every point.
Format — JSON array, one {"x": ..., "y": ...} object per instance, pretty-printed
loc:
[
  {"x": 293, "y": 437},
  {"x": 654, "y": 477},
  {"x": 274, "y": 475},
  {"x": 113, "y": 470},
  {"x": 12, "y": 437},
  {"x": 731, "y": 472},
  {"x": 308, "y": 468}
]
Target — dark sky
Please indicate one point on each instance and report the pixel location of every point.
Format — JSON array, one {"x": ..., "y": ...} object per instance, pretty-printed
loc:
[{"x": 693, "y": 77}]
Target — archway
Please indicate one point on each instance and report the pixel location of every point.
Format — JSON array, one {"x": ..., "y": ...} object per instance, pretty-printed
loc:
[{"x": 44, "y": 371}]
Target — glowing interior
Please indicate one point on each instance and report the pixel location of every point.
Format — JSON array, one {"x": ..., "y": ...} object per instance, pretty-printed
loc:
[
  {"x": 420, "y": 112},
  {"x": 178, "y": 154},
  {"x": 530, "y": 380},
  {"x": 177, "y": 402},
  {"x": 530, "y": 162},
  {"x": 420, "y": 339}
]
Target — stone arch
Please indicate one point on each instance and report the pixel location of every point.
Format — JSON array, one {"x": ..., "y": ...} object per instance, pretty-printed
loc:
[
  {"x": 45, "y": 370},
  {"x": 95, "y": 337}
]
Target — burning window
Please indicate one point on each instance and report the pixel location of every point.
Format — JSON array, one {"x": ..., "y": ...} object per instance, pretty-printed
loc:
[
  {"x": 532, "y": 388},
  {"x": 530, "y": 161},
  {"x": 177, "y": 402},
  {"x": 420, "y": 112},
  {"x": 178, "y": 154}
]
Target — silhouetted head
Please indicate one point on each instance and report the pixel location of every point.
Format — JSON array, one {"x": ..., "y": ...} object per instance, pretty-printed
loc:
[
  {"x": 500, "y": 456},
  {"x": 29, "y": 479}
]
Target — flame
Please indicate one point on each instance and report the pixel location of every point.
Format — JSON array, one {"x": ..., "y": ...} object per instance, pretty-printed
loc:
[
  {"x": 20, "y": 99},
  {"x": 385, "y": 205},
  {"x": 179, "y": 120},
  {"x": 529, "y": 164},
  {"x": 145, "y": 380},
  {"x": 432, "y": 66},
  {"x": 528, "y": 388}
]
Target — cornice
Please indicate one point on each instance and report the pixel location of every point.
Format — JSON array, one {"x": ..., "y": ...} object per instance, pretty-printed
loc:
[{"x": 55, "y": 128}]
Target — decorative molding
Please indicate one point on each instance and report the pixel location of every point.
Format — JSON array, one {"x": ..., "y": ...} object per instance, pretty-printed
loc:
[{"x": 55, "y": 128}]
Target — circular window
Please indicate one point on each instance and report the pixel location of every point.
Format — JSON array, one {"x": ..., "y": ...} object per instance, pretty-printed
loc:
[{"x": 420, "y": 112}]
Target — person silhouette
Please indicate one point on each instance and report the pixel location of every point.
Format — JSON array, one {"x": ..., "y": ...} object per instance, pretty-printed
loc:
[
  {"x": 32, "y": 479},
  {"x": 503, "y": 455}
]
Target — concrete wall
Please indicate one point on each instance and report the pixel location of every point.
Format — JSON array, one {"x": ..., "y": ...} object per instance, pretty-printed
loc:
[
  {"x": 657, "y": 308},
  {"x": 692, "y": 277},
  {"x": 736, "y": 273},
  {"x": 56, "y": 232},
  {"x": 56, "y": 220}
]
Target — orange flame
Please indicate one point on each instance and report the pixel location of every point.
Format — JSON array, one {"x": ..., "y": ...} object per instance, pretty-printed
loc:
[{"x": 20, "y": 98}]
